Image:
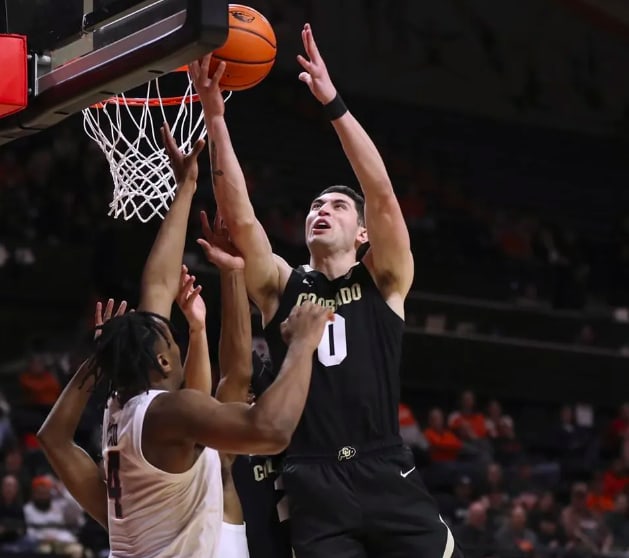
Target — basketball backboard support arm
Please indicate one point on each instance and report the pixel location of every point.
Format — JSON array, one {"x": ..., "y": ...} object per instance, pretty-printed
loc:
[{"x": 138, "y": 54}]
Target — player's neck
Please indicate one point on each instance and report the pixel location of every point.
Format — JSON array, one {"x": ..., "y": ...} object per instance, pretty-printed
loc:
[{"x": 333, "y": 265}]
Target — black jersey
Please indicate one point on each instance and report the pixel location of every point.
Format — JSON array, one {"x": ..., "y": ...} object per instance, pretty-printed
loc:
[
  {"x": 354, "y": 392},
  {"x": 263, "y": 503},
  {"x": 259, "y": 489}
]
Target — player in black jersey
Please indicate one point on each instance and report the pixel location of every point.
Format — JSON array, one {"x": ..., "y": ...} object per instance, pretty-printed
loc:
[
  {"x": 249, "y": 493},
  {"x": 353, "y": 489},
  {"x": 261, "y": 494}
]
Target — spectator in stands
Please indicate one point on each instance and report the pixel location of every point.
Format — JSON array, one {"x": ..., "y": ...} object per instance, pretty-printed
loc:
[
  {"x": 585, "y": 530},
  {"x": 570, "y": 444},
  {"x": 468, "y": 423},
  {"x": 470, "y": 426},
  {"x": 497, "y": 506},
  {"x": 40, "y": 386},
  {"x": 494, "y": 479},
  {"x": 618, "y": 430},
  {"x": 597, "y": 500},
  {"x": 544, "y": 520},
  {"x": 48, "y": 523},
  {"x": 473, "y": 537},
  {"x": 494, "y": 414},
  {"x": 411, "y": 434},
  {"x": 507, "y": 448},
  {"x": 514, "y": 539},
  {"x": 523, "y": 484},
  {"x": 444, "y": 445},
  {"x": 616, "y": 478},
  {"x": 617, "y": 521},
  {"x": 14, "y": 465},
  {"x": 7, "y": 436},
  {"x": 12, "y": 525},
  {"x": 455, "y": 506}
]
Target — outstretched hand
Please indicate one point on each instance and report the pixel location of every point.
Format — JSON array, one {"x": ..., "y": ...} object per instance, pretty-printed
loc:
[
  {"x": 189, "y": 300},
  {"x": 208, "y": 89},
  {"x": 217, "y": 245},
  {"x": 185, "y": 167},
  {"x": 306, "y": 323},
  {"x": 100, "y": 319},
  {"x": 316, "y": 75}
]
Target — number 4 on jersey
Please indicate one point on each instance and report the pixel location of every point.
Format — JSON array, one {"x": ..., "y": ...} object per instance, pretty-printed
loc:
[{"x": 333, "y": 347}]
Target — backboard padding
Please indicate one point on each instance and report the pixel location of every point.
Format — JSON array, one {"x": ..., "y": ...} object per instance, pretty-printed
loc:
[{"x": 117, "y": 57}]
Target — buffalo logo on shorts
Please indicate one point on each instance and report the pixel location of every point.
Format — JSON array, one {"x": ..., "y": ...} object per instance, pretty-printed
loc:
[
  {"x": 244, "y": 17},
  {"x": 346, "y": 453}
]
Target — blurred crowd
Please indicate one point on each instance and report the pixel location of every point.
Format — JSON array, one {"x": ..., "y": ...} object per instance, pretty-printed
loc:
[
  {"x": 55, "y": 188},
  {"x": 508, "y": 485},
  {"x": 512, "y": 490}
]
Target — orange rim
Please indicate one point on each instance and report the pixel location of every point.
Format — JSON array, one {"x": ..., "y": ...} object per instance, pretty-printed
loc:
[{"x": 151, "y": 101}]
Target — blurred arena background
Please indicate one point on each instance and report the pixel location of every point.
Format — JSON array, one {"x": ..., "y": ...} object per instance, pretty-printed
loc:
[{"x": 505, "y": 127}]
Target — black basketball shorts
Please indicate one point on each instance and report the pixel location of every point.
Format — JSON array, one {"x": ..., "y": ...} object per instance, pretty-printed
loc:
[{"x": 364, "y": 504}]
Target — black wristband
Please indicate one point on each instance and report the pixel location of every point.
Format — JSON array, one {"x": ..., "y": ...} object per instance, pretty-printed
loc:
[{"x": 335, "y": 108}]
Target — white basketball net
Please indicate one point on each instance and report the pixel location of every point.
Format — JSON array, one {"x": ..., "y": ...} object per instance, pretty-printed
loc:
[{"x": 126, "y": 132}]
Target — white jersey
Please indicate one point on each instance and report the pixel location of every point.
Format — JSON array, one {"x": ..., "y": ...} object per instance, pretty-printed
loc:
[{"x": 152, "y": 513}]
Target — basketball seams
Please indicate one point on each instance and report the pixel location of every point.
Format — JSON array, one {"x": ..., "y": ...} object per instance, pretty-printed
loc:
[
  {"x": 256, "y": 33},
  {"x": 244, "y": 86},
  {"x": 246, "y": 62},
  {"x": 251, "y": 37}
]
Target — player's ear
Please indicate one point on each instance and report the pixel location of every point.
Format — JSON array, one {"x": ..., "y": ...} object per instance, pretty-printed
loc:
[
  {"x": 361, "y": 237},
  {"x": 164, "y": 363}
]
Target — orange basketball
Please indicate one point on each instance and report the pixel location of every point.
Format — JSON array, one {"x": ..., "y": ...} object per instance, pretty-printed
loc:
[{"x": 249, "y": 51}]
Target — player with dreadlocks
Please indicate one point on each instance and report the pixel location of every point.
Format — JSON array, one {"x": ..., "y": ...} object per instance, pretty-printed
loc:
[{"x": 163, "y": 493}]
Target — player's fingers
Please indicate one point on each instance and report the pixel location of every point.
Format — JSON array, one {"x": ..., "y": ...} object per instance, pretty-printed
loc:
[
  {"x": 206, "y": 247},
  {"x": 98, "y": 314},
  {"x": 198, "y": 147},
  {"x": 187, "y": 285},
  {"x": 108, "y": 309},
  {"x": 218, "y": 74},
  {"x": 193, "y": 295},
  {"x": 306, "y": 78},
  {"x": 205, "y": 225},
  {"x": 304, "y": 40},
  {"x": 168, "y": 140},
  {"x": 194, "y": 69},
  {"x": 183, "y": 274},
  {"x": 305, "y": 64},
  {"x": 217, "y": 220},
  {"x": 121, "y": 309},
  {"x": 205, "y": 68},
  {"x": 313, "y": 50}
]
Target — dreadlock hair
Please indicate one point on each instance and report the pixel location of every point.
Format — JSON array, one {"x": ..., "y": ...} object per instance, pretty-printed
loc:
[
  {"x": 124, "y": 353},
  {"x": 359, "y": 201}
]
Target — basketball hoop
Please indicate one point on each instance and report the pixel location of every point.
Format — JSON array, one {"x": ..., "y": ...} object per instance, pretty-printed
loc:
[{"x": 127, "y": 131}]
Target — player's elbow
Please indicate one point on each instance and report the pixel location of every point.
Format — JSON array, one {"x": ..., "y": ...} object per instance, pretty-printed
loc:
[
  {"x": 47, "y": 440},
  {"x": 242, "y": 226},
  {"x": 273, "y": 437}
]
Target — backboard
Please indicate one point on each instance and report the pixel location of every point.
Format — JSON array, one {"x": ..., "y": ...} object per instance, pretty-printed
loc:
[{"x": 84, "y": 51}]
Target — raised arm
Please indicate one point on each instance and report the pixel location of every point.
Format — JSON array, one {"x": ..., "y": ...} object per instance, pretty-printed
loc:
[
  {"x": 235, "y": 344},
  {"x": 390, "y": 255},
  {"x": 160, "y": 278},
  {"x": 71, "y": 463},
  {"x": 265, "y": 273},
  {"x": 197, "y": 368},
  {"x": 266, "y": 427}
]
